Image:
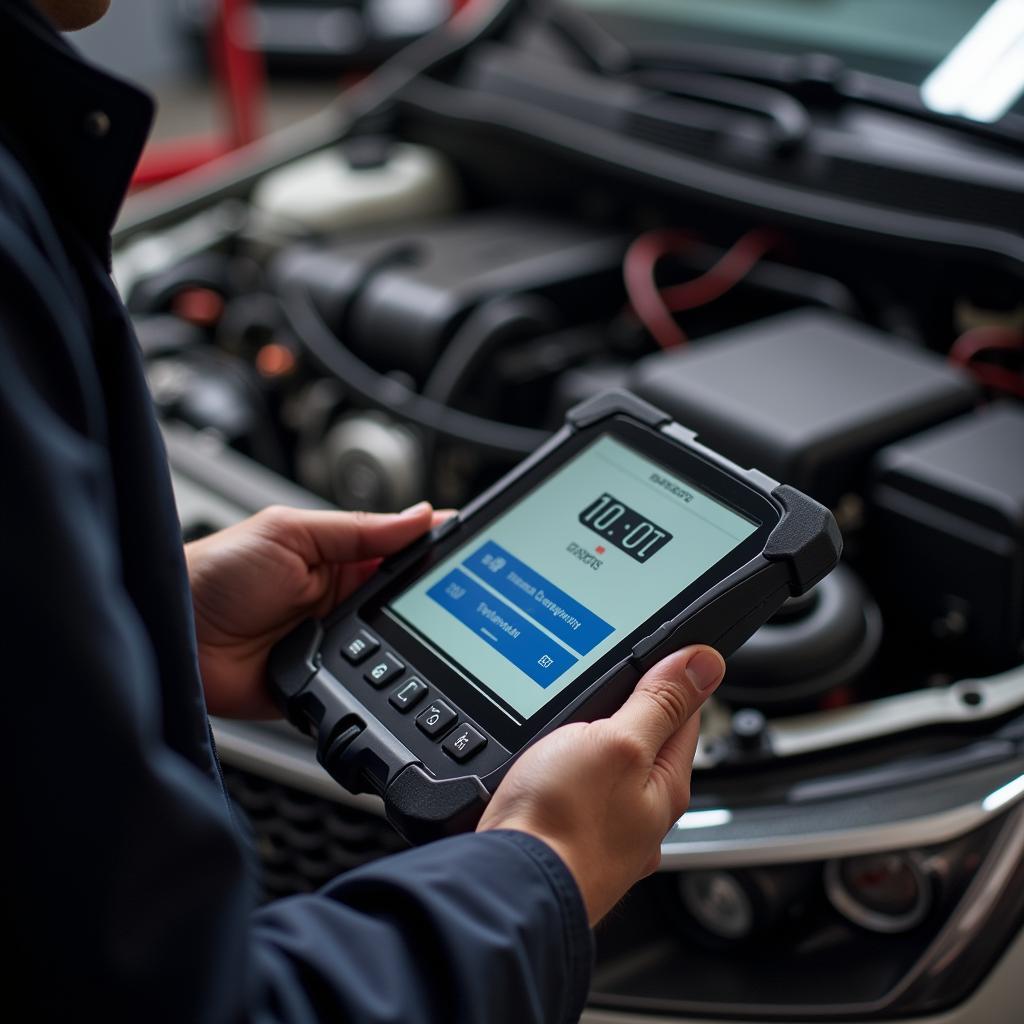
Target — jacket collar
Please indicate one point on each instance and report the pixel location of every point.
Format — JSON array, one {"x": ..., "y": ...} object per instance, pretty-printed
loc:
[{"x": 78, "y": 130}]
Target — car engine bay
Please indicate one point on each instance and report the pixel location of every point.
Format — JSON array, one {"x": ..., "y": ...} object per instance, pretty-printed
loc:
[{"x": 408, "y": 305}]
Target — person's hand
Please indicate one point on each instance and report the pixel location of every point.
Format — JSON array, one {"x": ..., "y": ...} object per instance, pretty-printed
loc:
[
  {"x": 604, "y": 794},
  {"x": 255, "y": 581}
]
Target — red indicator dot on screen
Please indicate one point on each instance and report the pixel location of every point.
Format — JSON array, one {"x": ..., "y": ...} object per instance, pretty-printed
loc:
[{"x": 600, "y": 549}]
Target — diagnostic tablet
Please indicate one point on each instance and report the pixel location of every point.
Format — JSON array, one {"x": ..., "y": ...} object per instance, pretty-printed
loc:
[{"x": 543, "y": 602}]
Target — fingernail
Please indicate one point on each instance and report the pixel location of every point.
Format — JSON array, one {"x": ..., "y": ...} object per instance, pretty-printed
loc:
[
  {"x": 415, "y": 510},
  {"x": 705, "y": 670}
]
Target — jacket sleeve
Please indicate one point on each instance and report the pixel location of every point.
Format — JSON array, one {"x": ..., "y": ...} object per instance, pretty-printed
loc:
[
  {"x": 129, "y": 893},
  {"x": 487, "y": 927}
]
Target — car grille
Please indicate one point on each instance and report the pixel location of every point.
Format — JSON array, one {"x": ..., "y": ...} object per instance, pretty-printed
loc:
[{"x": 303, "y": 841}]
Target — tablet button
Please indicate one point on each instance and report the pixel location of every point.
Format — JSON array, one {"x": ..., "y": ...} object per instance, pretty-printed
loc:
[
  {"x": 359, "y": 647},
  {"x": 437, "y": 718},
  {"x": 383, "y": 670},
  {"x": 411, "y": 692},
  {"x": 464, "y": 742}
]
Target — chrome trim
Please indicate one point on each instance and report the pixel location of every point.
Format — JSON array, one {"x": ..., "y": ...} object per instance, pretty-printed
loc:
[
  {"x": 278, "y": 752},
  {"x": 824, "y": 730},
  {"x": 918, "y": 815}
]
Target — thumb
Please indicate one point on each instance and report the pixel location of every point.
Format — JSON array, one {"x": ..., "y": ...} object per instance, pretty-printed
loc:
[
  {"x": 668, "y": 695},
  {"x": 338, "y": 537}
]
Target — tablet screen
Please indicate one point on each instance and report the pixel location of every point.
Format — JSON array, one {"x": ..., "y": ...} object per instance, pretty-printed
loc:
[{"x": 525, "y": 606}]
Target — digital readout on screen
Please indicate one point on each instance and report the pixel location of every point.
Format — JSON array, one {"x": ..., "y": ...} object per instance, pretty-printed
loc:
[
  {"x": 554, "y": 582},
  {"x": 624, "y": 527}
]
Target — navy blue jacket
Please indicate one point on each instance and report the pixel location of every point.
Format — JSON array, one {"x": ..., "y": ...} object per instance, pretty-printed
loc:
[{"x": 130, "y": 898}]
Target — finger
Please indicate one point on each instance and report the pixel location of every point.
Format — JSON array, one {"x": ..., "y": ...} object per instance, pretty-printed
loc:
[
  {"x": 673, "y": 766},
  {"x": 350, "y": 576},
  {"x": 668, "y": 695},
  {"x": 350, "y": 536}
]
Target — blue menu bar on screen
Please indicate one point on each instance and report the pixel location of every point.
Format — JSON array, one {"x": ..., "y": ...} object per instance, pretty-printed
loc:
[
  {"x": 502, "y": 627},
  {"x": 577, "y": 627}
]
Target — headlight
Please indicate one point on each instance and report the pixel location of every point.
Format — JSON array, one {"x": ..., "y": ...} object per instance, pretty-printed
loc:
[
  {"x": 724, "y": 908},
  {"x": 887, "y": 893},
  {"x": 718, "y": 902},
  {"x": 875, "y": 934}
]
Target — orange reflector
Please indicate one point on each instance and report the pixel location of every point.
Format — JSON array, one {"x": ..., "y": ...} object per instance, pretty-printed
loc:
[
  {"x": 275, "y": 360},
  {"x": 200, "y": 306}
]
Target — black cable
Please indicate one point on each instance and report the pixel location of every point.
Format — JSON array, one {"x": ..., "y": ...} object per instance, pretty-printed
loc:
[
  {"x": 432, "y": 53},
  {"x": 491, "y": 324},
  {"x": 598, "y": 48},
  {"x": 789, "y": 118},
  {"x": 317, "y": 339},
  {"x": 604, "y": 53}
]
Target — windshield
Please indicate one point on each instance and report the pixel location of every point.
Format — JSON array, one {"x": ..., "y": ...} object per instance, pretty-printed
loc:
[{"x": 905, "y": 40}]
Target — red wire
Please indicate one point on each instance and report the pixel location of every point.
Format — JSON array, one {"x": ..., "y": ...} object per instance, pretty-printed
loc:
[
  {"x": 654, "y": 306},
  {"x": 638, "y": 271},
  {"x": 731, "y": 268},
  {"x": 989, "y": 339}
]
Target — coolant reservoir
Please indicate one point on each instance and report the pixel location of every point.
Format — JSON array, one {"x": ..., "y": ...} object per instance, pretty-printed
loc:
[{"x": 360, "y": 183}]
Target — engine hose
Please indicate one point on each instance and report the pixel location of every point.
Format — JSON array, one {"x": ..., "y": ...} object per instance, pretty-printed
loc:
[{"x": 379, "y": 391}]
